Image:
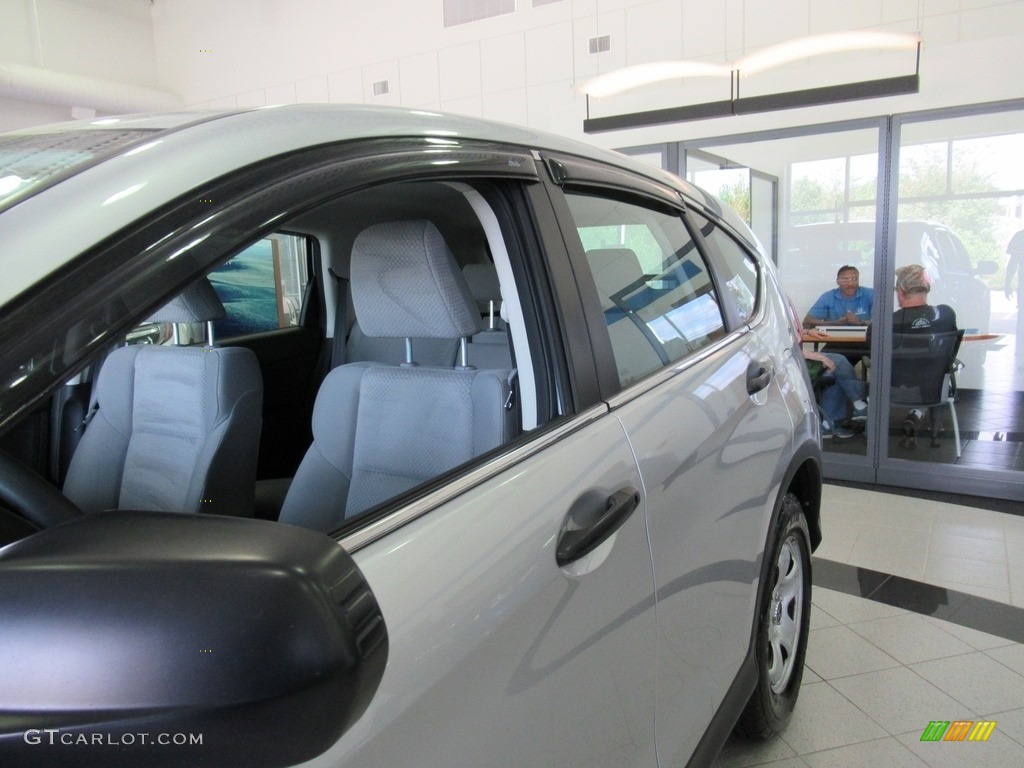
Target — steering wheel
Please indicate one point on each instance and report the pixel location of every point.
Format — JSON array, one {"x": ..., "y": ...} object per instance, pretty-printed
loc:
[{"x": 32, "y": 498}]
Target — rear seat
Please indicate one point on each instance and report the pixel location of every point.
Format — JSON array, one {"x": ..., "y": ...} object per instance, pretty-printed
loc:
[{"x": 489, "y": 348}]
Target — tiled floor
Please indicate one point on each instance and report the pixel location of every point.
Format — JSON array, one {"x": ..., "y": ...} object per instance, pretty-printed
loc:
[
  {"x": 879, "y": 670},
  {"x": 991, "y": 433}
]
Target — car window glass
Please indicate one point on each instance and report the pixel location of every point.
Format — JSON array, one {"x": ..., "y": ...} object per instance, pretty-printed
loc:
[
  {"x": 637, "y": 237},
  {"x": 658, "y": 308},
  {"x": 262, "y": 286},
  {"x": 739, "y": 268},
  {"x": 395, "y": 249},
  {"x": 954, "y": 256},
  {"x": 930, "y": 257}
]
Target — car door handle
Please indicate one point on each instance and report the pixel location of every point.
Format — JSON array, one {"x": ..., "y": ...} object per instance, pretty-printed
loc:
[
  {"x": 758, "y": 376},
  {"x": 577, "y": 540}
]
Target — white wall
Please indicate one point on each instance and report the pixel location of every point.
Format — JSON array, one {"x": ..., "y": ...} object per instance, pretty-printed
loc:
[
  {"x": 522, "y": 67},
  {"x": 109, "y": 41}
]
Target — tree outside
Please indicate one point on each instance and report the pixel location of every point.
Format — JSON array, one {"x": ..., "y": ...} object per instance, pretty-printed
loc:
[{"x": 963, "y": 196}]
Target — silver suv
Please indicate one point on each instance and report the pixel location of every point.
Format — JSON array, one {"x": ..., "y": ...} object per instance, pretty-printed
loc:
[{"x": 500, "y": 450}]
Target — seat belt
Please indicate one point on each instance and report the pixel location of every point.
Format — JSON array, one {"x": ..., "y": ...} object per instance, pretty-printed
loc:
[
  {"x": 62, "y": 445},
  {"x": 511, "y": 402},
  {"x": 94, "y": 379},
  {"x": 513, "y": 379},
  {"x": 340, "y": 320}
]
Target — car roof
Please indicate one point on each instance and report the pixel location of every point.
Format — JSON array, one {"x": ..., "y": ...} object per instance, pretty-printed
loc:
[
  {"x": 264, "y": 132},
  {"x": 163, "y": 156}
]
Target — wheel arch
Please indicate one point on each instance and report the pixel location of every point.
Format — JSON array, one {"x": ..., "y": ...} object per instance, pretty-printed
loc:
[{"x": 803, "y": 480}]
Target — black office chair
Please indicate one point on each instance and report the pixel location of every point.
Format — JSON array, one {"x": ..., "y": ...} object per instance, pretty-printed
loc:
[{"x": 924, "y": 367}]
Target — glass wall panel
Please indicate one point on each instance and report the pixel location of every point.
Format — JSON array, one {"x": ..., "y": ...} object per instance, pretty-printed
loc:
[
  {"x": 764, "y": 197},
  {"x": 813, "y": 202},
  {"x": 938, "y": 199},
  {"x": 960, "y": 209},
  {"x": 753, "y": 194}
]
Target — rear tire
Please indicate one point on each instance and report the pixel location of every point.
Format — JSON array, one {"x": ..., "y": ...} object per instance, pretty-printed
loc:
[{"x": 785, "y": 613}]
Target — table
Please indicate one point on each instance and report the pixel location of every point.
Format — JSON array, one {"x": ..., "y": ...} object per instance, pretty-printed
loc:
[
  {"x": 860, "y": 339},
  {"x": 852, "y": 346}
]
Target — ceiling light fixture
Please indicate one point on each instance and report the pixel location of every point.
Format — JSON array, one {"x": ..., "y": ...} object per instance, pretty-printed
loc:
[
  {"x": 628, "y": 78},
  {"x": 819, "y": 45}
]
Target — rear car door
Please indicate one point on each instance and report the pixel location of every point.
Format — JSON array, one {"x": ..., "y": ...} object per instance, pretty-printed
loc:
[{"x": 697, "y": 391}]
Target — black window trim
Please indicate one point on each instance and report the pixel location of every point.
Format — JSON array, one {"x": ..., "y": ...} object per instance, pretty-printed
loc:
[
  {"x": 588, "y": 177},
  {"x": 577, "y": 287},
  {"x": 732, "y": 318}
]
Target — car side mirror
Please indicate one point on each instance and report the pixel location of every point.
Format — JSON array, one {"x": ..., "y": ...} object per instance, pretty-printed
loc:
[
  {"x": 986, "y": 268},
  {"x": 146, "y": 638}
]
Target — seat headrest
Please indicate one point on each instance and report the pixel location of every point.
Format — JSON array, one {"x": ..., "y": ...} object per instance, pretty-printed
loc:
[
  {"x": 198, "y": 303},
  {"x": 614, "y": 269},
  {"x": 406, "y": 284},
  {"x": 482, "y": 280}
]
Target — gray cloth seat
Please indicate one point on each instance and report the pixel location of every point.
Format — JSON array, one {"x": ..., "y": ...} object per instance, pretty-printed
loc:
[
  {"x": 359, "y": 347},
  {"x": 379, "y": 429},
  {"x": 489, "y": 348},
  {"x": 175, "y": 428}
]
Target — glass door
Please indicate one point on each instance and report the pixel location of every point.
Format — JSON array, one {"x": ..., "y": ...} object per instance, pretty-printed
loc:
[
  {"x": 753, "y": 194},
  {"x": 957, "y": 265},
  {"x": 844, "y": 209},
  {"x": 813, "y": 202}
]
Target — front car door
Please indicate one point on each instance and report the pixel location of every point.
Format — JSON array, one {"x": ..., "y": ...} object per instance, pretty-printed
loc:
[{"x": 500, "y": 655}]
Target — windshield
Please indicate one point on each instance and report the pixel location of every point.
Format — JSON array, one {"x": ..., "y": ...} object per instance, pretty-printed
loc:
[{"x": 29, "y": 162}]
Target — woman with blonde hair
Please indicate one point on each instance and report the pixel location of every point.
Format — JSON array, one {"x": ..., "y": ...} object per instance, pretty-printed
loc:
[{"x": 916, "y": 315}]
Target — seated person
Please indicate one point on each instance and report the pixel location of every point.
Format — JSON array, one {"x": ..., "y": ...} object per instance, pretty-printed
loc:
[
  {"x": 916, "y": 315},
  {"x": 847, "y": 304},
  {"x": 838, "y": 398}
]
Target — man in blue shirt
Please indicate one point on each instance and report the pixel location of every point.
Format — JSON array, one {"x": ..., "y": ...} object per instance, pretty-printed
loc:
[{"x": 848, "y": 304}]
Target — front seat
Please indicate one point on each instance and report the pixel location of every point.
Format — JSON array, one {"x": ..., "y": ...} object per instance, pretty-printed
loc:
[
  {"x": 173, "y": 428},
  {"x": 380, "y": 429}
]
